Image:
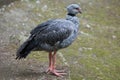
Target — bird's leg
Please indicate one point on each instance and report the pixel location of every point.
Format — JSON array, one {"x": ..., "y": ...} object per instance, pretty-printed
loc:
[
  {"x": 54, "y": 59},
  {"x": 50, "y": 63},
  {"x": 54, "y": 71},
  {"x": 51, "y": 69}
]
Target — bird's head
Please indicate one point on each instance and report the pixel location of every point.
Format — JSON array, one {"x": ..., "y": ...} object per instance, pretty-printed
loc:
[{"x": 74, "y": 9}]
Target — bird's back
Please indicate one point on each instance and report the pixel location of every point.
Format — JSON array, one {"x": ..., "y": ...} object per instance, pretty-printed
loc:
[{"x": 50, "y": 35}]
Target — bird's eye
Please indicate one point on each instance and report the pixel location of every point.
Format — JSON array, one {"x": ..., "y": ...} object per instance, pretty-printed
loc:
[{"x": 77, "y": 8}]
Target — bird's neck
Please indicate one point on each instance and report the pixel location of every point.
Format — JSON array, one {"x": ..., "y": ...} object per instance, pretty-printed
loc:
[
  {"x": 73, "y": 18},
  {"x": 70, "y": 14}
]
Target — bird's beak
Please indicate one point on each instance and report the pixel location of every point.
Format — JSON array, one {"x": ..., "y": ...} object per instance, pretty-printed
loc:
[{"x": 80, "y": 11}]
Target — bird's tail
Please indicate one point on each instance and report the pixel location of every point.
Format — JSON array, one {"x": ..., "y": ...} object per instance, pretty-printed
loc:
[{"x": 25, "y": 48}]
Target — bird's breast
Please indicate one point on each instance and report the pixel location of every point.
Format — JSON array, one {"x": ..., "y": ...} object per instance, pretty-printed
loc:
[{"x": 69, "y": 40}]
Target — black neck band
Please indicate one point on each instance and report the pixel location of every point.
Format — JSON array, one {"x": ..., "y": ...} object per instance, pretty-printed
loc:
[{"x": 71, "y": 14}]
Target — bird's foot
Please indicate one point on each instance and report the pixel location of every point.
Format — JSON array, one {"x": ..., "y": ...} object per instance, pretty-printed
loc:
[
  {"x": 58, "y": 73},
  {"x": 55, "y": 72},
  {"x": 49, "y": 70}
]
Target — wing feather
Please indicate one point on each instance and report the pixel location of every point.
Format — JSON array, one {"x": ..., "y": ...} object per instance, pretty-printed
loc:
[
  {"x": 53, "y": 36},
  {"x": 51, "y": 32},
  {"x": 41, "y": 27}
]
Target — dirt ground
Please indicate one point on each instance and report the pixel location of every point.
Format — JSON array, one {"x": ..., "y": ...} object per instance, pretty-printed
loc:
[{"x": 26, "y": 69}]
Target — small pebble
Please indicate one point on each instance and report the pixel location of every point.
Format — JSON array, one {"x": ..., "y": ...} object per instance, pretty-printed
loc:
[{"x": 38, "y": 2}]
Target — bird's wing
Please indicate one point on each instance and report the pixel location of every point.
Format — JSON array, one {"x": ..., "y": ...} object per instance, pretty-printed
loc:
[
  {"x": 51, "y": 34},
  {"x": 41, "y": 27}
]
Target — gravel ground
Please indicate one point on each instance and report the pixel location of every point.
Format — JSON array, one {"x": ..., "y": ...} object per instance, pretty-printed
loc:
[{"x": 26, "y": 69}]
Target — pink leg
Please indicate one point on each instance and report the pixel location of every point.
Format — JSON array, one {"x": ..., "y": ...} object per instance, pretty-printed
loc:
[
  {"x": 50, "y": 63},
  {"x": 54, "y": 71},
  {"x": 54, "y": 60},
  {"x": 51, "y": 69}
]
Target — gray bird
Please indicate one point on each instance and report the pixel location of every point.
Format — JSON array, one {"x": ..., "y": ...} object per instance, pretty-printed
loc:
[{"x": 51, "y": 36}]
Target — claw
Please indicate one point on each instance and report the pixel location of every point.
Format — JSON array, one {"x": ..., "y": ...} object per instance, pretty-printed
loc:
[
  {"x": 59, "y": 74},
  {"x": 48, "y": 70}
]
